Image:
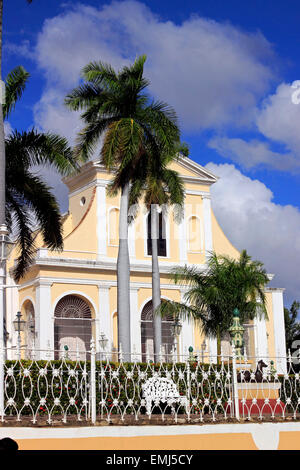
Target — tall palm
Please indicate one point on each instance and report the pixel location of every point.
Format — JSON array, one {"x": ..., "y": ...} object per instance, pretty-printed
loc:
[
  {"x": 2, "y": 137},
  {"x": 27, "y": 196},
  {"x": 115, "y": 106},
  {"x": 214, "y": 293},
  {"x": 292, "y": 325},
  {"x": 3, "y": 227},
  {"x": 159, "y": 186}
]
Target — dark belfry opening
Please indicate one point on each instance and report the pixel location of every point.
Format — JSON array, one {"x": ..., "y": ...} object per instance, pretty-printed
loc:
[{"x": 161, "y": 241}]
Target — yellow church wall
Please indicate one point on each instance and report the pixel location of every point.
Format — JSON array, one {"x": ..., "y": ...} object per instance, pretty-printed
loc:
[
  {"x": 67, "y": 225},
  {"x": 82, "y": 238},
  {"x": 221, "y": 244},
  {"x": 76, "y": 206},
  {"x": 196, "y": 187},
  {"x": 171, "y": 294},
  {"x": 71, "y": 273},
  {"x": 31, "y": 274},
  {"x": 28, "y": 292},
  {"x": 145, "y": 295},
  {"x": 172, "y": 241},
  {"x": 113, "y": 299},
  {"x": 112, "y": 225},
  {"x": 198, "y": 337},
  {"x": 103, "y": 175},
  {"x": 270, "y": 325}
]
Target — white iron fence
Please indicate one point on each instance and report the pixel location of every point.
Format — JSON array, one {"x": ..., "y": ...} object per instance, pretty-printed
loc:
[{"x": 191, "y": 389}]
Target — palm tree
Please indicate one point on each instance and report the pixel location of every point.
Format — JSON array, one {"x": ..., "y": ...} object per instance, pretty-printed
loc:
[
  {"x": 215, "y": 292},
  {"x": 160, "y": 186},
  {"x": 3, "y": 227},
  {"x": 292, "y": 325},
  {"x": 2, "y": 137},
  {"x": 27, "y": 196},
  {"x": 116, "y": 106}
]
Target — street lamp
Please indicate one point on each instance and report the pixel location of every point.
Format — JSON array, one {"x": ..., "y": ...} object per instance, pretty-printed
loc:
[
  {"x": 176, "y": 327},
  {"x": 19, "y": 326},
  {"x": 176, "y": 330},
  {"x": 5, "y": 243},
  {"x": 102, "y": 343}
]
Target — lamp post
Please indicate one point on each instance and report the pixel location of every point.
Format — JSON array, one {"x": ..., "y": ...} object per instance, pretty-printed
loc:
[
  {"x": 5, "y": 248},
  {"x": 19, "y": 326},
  {"x": 237, "y": 333},
  {"x": 102, "y": 343},
  {"x": 176, "y": 330}
]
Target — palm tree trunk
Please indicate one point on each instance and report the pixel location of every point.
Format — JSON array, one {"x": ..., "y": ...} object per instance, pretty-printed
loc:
[
  {"x": 123, "y": 278},
  {"x": 2, "y": 141},
  {"x": 155, "y": 282},
  {"x": 2, "y": 192}
]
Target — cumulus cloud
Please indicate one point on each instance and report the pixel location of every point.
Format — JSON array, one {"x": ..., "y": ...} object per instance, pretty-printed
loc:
[
  {"x": 7, "y": 128},
  {"x": 254, "y": 153},
  {"x": 277, "y": 120},
  {"x": 270, "y": 232},
  {"x": 211, "y": 73},
  {"x": 279, "y": 117}
]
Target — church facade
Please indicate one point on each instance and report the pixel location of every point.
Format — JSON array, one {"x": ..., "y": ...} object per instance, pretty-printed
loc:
[{"x": 69, "y": 297}]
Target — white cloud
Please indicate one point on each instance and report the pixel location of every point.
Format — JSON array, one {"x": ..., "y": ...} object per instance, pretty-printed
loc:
[
  {"x": 7, "y": 128},
  {"x": 277, "y": 119},
  {"x": 254, "y": 153},
  {"x": 251, "y": 220},
  {"x": 52, "y": 115},
  {"x": 211, "y": 73}
]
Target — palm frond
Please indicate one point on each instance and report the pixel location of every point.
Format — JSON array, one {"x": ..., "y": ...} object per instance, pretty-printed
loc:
[
  {"x": 34, "y": 148},
  {"x": 15, "y": 84},
  {"x": 33, "y": 193},
  {"x": 24, "y": 236}
]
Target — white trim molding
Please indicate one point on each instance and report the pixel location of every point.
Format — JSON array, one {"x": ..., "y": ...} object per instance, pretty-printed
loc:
[
  {"x": 104, "y": 325},
  {"x": 101, "y": 220},
  {"x": 44, "y": 319},
  {"x": 208, "y": 238},
  {"x": 279, "y": 330}
]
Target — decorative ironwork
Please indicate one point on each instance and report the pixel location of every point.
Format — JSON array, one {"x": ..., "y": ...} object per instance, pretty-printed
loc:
[{"x": 190, "y": 389}]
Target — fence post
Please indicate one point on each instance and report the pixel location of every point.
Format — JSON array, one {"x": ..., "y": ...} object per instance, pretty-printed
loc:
[
  {"x": 234, "y": 384},
  {"x": 188, "y": 377},
  {"x": 1, "y": 381},
  {"x": 93, "y": 382}
]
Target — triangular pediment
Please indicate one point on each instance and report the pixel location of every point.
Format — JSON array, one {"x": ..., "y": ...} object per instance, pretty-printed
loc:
[{"x": 191, "y": 170}]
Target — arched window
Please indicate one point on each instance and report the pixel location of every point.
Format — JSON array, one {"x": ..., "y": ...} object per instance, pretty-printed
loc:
[
  {"x": 194, "y": 234},
  {"x": 147, "y": 334},
  {"x": 113, "y": 227},
  {"x": 72, "y": 326},
  {"x": 161, "y": 241}
]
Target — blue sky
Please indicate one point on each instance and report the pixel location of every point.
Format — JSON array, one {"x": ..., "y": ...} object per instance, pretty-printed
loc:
[{"x": 226, "y": 67}]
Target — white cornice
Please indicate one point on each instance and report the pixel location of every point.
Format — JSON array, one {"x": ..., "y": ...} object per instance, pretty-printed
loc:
[
  {"x": 101, "y": 284},
  {"x": 105, "y": 263},
  {"x": 205, "y": 176}
]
